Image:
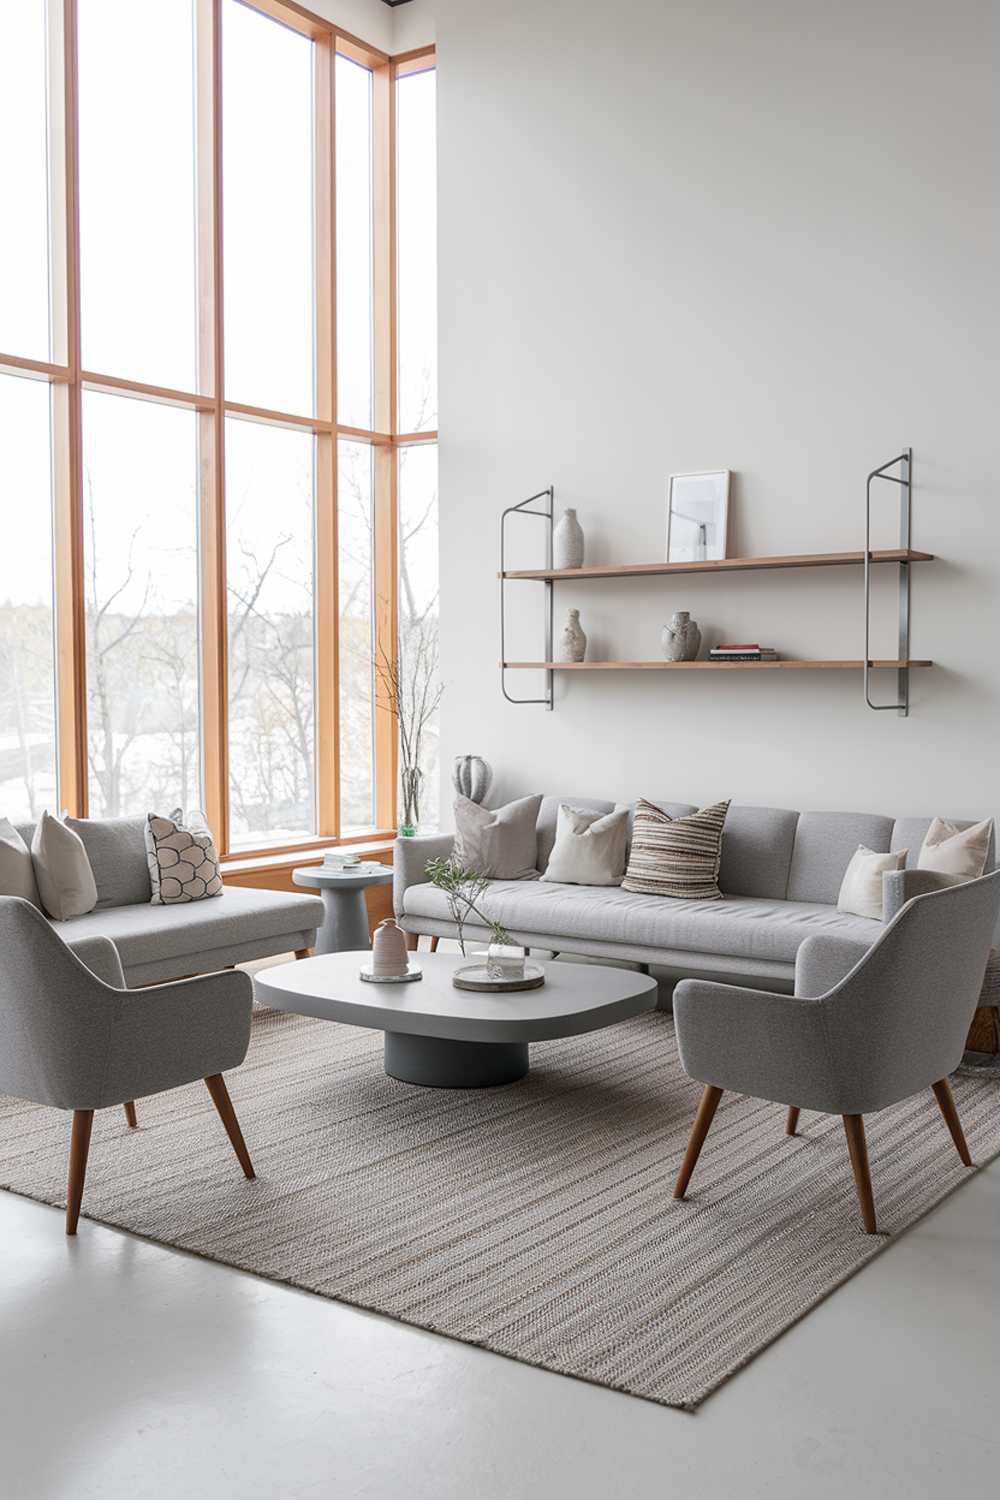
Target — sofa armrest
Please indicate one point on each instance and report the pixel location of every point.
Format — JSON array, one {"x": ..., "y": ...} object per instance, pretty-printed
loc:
[
  {"x": 410, "y": 858},
  {"x": 100, "y": 956},
  {"x": 824, "y": 960},
  {"x": 900, "y": 886}
]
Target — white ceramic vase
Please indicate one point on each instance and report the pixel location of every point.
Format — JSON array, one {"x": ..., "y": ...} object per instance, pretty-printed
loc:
[
  {"x": 681, "y": 639},
  {"x": 572, "y": 643},
  {"x": 567, "y": 542}
]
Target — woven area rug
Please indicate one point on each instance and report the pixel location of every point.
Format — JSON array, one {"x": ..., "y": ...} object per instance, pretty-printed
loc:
[{"x": 534, "y": 1220}]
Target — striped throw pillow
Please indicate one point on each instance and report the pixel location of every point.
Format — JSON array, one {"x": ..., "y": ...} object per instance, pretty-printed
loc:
[{"x": 676, "y": 856}]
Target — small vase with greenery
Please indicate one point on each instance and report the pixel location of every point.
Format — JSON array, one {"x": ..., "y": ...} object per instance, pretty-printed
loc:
[{"x": 465, "y": 890}]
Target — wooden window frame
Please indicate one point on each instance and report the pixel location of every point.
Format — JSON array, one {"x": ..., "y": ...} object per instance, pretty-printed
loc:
[{"x": 68, "y": 380}]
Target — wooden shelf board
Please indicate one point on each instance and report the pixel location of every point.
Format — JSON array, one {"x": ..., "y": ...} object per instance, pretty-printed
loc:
[
  {"x": 707, "y": 666},
  {"x": 720, "y": 565}
]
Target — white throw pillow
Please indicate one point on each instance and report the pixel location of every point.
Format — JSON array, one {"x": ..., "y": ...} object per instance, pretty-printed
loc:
[
  {"x": 589, "y": 848},
  {"x": 861, "y": 887},
  {"x": 66, "y": 882},
  {"x": 17, "y": 873},
  {"x": 959, "y": 852},
  {"x": 182, "y": 858},
  {"x": 501, "y": 843}
]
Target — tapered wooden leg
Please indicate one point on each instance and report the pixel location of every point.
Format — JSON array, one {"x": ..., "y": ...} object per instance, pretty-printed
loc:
[
  {"x": 702, "y": 1120},
  {"x": 79, "y": 1147},
  {"x": 303, "y": 953},
  {"x": 227, "y": 1114},
  {"x": 792, "y": 1123},
  {"x": 130, "y": 1114},
  {"x": 946, "y": 1104},
  {"x": 434, "y": 944},
  {"x": 854, "y": 1126}
]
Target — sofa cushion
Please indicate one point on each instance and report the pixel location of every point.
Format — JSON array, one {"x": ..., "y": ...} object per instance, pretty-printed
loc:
[
  {"x": 676, "y": 857},
  {"x": 757, "y": 845},
  {"x": 116, "y": 849},
  {"x": 17, "y": 873},
  {"x": 548, "y": 819},
  {"x": 909, "y": 834},
  {"x": 65, "y": 880},
  {"x": 824, "y": 845},
  {"x": 739, "y": 927},
  {"x": 146, "y": 934}
]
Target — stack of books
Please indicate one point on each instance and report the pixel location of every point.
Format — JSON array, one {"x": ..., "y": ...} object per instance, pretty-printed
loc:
[{"x": 751, "y": 651}]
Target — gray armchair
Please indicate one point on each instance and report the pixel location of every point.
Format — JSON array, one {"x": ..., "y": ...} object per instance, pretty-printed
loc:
[
  {"x": 864, "y": 1029},
  {"x": 72, "y": 1035}
]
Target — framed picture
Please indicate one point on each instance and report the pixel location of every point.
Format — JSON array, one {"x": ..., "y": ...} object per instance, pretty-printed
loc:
[{"x": 697, "y": 516}]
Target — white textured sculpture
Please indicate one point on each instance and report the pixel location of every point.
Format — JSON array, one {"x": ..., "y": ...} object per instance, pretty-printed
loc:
[
  {"x": 681, "y": 639},
  {"x": 390, "y": 959},
  {"x": 567, "y": 542},
  {"x": 471, "y": 777},
  {"x": 573, "y": 642}
]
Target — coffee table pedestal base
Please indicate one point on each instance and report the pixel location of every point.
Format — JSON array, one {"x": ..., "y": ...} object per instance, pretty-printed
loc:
[{"x": 439, "y": 1063}]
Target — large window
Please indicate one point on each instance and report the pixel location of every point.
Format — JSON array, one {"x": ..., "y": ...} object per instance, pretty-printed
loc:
[{"x": 217, "y": 414}]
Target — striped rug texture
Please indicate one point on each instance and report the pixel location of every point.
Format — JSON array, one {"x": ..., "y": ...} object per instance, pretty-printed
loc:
[{"x": 534, "y": 1220}]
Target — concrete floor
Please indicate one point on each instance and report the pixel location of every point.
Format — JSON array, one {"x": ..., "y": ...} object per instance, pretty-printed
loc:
[{"x": 131, "y": 1370}]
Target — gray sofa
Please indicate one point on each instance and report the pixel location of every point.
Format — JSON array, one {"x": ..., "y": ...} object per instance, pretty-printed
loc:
[
  {"x": 781, "y": 875},
  {"x": 158, "y": 943}
]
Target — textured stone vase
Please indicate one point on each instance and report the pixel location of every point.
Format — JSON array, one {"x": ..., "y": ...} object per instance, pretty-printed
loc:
[
  {"x": 390, "y": 959},
  {"x": 471, "y": 777},
  {"x": 567, "y": 542},
  {"x": 681, "y": 639},
  {"x": 572, "y": 645}
]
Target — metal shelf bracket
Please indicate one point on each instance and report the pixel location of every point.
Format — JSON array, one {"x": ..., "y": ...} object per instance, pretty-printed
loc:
[
  {"x": 905, "y": 480},
  {"x": 545, "y": 514}
]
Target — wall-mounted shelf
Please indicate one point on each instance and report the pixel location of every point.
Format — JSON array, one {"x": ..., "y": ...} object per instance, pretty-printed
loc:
[
  {"x": 708, "y": 666},
  {"x": 721, "y": 565},
  {"x": 901, "y": 556}
]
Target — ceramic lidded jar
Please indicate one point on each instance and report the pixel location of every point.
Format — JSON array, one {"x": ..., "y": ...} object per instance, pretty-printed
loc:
[
  {"x": 567, "y": 542},
  {"x": 390, "y": 959},
  {"x": 681, "y": 639},
  {"x": 572, "y": 644}
]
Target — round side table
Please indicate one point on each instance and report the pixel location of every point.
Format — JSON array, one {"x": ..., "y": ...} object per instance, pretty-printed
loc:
[{"x": 345, "y": 915}]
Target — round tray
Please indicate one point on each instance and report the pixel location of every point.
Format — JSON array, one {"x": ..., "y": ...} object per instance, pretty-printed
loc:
[
  {"x": 476, "y": 977},
  {"x": 412, "y": 973}
]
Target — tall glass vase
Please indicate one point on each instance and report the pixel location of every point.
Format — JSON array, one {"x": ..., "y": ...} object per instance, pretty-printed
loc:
[{"x": 410, "y": 780}]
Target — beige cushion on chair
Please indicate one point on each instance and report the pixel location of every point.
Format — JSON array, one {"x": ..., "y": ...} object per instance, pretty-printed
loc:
[
  {"x": 17, "y": 873},
  {"x": 590, "y": 847},
  {"x": 66, "y": 882},
  {"x": 960, "y": 852},
  {"x": 861, "y": 887}
]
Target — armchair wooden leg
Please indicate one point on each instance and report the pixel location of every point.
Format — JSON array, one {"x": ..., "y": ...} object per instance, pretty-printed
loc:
[
  {"x": 702, "y": 1120},
  {"x": 303, "y": 953},
  {"x": 792, "y": 1123},
  {"x": 79, "y": 1148},
  {"x": 412, "y": 941},
  {"x": 854, "y": 1127},
  {"x": 130, "y": 1114},
  {"x": 434, "y": 944},
  {"x": 227, "y": 1114},
  {"x": 946, "y": 1104}
]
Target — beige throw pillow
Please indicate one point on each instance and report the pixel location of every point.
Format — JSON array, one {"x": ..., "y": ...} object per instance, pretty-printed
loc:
[
  {"x": 676, "y": 856},
  {"x": 65, "y": 880},
  {"x": 861, "y": 887},
  {"x": 17, "y": 873},
  {"x": 500, "y": 843},
  {"x": 959, "y": 852},
  {"x": 590, "y": 847}
]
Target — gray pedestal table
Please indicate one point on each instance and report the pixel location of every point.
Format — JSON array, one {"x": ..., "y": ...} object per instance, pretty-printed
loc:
[
  {"x": 442, "y": 1037},
  {"x": 345, "y": 915}
]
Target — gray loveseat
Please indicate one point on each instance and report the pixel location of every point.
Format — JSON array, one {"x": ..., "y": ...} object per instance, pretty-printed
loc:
[
  {"x": 781, "y": 875},
  {"x": 157, "y": 943}
]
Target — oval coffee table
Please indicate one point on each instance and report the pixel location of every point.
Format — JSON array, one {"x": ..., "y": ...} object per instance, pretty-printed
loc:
[
  {"x": 345, "y": 915},
  {"x": 446, "y": 1038}
]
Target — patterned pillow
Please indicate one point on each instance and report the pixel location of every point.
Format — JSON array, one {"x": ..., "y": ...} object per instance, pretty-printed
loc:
[
  {"x": 183, "y": 860},
  {"x": 676, "y": 856}
]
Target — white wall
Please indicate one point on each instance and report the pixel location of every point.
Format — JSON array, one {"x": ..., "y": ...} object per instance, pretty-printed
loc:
[
  {"x": 687, "y": 234},
  {"x": 369, "y": 20}
]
